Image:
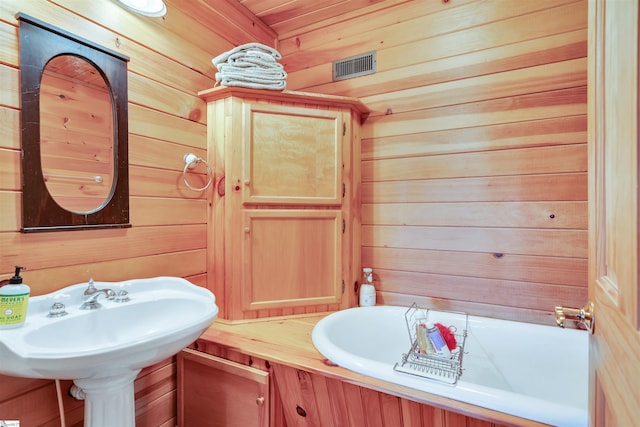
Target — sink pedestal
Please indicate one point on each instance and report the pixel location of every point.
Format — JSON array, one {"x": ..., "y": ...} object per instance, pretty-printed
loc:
[{"x": 109, "y": 401}]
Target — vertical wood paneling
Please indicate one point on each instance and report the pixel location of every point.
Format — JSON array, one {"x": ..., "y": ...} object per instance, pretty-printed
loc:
[
  {"x": 357, "y": 406},
  {"x": 476, "y": 107},
  {"x": 170, "y": 62}
]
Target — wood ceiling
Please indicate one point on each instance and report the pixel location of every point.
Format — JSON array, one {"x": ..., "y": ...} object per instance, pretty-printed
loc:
[{"x": 287, "y": 16}]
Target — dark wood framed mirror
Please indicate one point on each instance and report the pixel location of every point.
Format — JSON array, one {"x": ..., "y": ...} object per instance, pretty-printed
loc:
[{"x": 75, "y": 172}]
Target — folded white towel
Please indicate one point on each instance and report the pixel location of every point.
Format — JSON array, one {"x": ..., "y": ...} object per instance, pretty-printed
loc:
[
  {"x": 246, "y": 61},
  {"x": 256, "y": 78},
  {"x": 252, "y": 82},
  {"x": 252, "y": 53},
  {"x": 255, "y": 47},
  {"x": 251, "y": 65},
  {"x": 244, "y": 68}
]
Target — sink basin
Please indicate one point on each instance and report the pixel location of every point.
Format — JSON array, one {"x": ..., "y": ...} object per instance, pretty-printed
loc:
[{"x": 104, "y": 349}]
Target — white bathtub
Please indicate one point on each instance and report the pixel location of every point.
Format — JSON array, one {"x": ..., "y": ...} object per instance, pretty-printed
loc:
[{"x": 531, "y": 371}]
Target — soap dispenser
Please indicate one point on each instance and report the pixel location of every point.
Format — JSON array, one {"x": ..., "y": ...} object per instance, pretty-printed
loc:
[
  {"x": 367, "y": 291},
  {"x": 14, "y": 298}
]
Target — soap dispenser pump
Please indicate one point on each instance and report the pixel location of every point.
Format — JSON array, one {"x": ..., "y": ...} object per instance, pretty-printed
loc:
[{"x": 14, "y": 298}]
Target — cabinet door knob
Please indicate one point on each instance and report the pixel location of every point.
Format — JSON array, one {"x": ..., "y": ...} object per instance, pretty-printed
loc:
[
  {"x": 247, "y": 230},
  {"x": 247, "y": 182},
  {"x": 260, "y": 401}
]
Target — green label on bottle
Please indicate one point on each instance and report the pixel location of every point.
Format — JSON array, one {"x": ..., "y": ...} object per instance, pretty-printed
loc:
[{"x": 13, "y": 308}]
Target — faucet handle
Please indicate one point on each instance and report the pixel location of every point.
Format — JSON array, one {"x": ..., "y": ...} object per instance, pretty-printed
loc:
[
  {"x": 123, "y": 296},
  {"x": 57, "y": 310}
]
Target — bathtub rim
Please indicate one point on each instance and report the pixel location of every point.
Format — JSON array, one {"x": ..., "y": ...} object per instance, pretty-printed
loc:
[{"x": 520, "y": 405}]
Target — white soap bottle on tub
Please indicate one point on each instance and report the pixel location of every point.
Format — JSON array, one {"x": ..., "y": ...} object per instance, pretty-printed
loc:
[{"x": 367, "y": 290}]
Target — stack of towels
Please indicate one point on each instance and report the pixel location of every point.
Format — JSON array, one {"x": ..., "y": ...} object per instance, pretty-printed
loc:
[{"x": 251, "y": 65}]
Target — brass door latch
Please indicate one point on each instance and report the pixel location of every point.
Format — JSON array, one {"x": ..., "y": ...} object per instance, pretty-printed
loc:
[{"x": 582, "y": 315}]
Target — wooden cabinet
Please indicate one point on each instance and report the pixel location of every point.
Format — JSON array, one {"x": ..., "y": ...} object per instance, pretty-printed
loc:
[
  {"x": 284, "y": 227},
  {"x": 216, "y": 387},
  {"x": 292, "y": 155},
  {"x": 216, "y": 392},
  {"x": 291, "y": 258}
]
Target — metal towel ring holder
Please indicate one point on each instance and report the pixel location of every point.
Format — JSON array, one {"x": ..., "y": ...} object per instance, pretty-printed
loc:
[{"x": 190, "y": 162}]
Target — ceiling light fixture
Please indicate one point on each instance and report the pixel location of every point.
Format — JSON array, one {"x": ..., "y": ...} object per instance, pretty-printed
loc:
[{"x": 153, "y": 8}]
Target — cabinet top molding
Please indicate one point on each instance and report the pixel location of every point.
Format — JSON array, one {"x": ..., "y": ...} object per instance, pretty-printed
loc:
[{"x": 286, "y": 95}]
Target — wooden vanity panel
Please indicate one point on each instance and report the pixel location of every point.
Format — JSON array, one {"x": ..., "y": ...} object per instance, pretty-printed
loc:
[
  {"x": 291, "y": 155},
  {"x": 331, "y": 401},
  {"x": 217, "y": 392},
  {"x": 291, "y": 256},
  {"x": 316, "y": 400}
]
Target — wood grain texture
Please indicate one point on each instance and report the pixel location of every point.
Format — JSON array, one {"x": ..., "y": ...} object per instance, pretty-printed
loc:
[
  {"x": 170, "y": 62},
  {"x": 459, "y": 80},
  {"x": 287, "y": 202},
  {"x": 477, "y": 132},
  {"x": 614, "y": 84},
  {"x": 219, "y": 392}
]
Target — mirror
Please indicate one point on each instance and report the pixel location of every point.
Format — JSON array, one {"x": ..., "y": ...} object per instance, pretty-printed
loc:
[
  {"x": 76, "y": 134},
  {"x": 74, "y": 131}
]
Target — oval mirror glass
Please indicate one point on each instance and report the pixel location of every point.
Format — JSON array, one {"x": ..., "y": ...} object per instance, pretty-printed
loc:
[{"x": 76, "y": 134}]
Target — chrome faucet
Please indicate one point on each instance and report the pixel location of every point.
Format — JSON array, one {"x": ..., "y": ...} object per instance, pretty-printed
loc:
[{"x": 91, "y": 294}]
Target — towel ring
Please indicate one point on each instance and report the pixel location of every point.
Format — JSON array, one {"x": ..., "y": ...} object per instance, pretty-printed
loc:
[{"x": 190, "y": 162}]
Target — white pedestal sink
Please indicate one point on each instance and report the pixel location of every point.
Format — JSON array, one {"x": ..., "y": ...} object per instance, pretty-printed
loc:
[{"x": 104, "y": 349}]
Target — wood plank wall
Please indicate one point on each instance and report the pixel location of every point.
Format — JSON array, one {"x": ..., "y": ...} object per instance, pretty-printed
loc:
[
  {"x": 474, "y": 161},
  {"x": 477, "y": 137},
  {"x": 170, "y": 63}
]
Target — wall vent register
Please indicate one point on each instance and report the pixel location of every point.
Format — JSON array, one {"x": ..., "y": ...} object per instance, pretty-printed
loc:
[{"x": 354, "y": 66}]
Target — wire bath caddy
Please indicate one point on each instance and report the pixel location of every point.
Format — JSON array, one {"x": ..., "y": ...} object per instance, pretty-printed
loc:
[{"x": 429, "y": 366}]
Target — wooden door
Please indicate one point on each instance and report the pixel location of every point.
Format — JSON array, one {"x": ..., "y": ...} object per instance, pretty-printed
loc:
[
  {"x": 613, "y": 201},
  {"x": 215, "y": 392},
  {"x": 292, "y": 155},
  {"x": 291, "y": 258}
]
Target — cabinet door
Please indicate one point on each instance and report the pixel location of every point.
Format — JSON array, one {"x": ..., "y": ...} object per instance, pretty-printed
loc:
[
  {"x": 291, "y": 155},
  {"x": 215, "y": 392},
  {"x": 291, "y": 258}
]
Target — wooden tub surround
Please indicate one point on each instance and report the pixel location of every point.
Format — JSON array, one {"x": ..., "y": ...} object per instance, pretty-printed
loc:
[{"x": 294, "y": 385}]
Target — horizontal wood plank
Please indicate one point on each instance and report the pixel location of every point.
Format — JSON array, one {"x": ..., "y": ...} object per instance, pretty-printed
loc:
[
  {"x": 499, "y": 241},
  {"x": 536, "y": 106},
  {"x": 512, "y": 293},
  {"x": 525, "y": 161},
  {"x": 556, "y": 215},
  {"x": 558, "y": 187},
  {"x": 525, "y": 134},
  {"x": 147, "y": 211},
  {"x": 542, "y": 269},
  {"x": 146, "y": 92},
  {"x": 518, "y": 314},
  {"x": 154, "y": 124},
  {"x": 51, "y": 250},
  {"x": 189, "y": 264},
  {"x": 156, "y": 153},
  {"x": 541, "y": 78}
]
